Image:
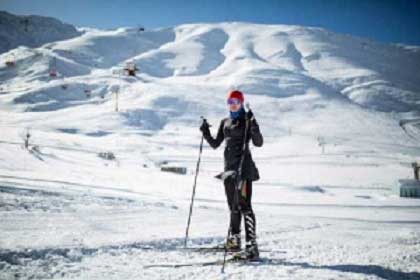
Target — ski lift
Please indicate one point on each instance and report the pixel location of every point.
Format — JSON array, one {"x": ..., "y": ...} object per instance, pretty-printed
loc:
[
  {"x": 131, "y": 68},
  {"x": 118, "y": 72},
  {"x": 10, "y": 60},
  {"x": 53, "y": 68},
  {"x": 10, "y": 63},
  {"x": 87, "y": 92}
]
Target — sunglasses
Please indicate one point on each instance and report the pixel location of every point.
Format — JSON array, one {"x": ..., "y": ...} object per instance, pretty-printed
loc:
[{"x": 233, "y": 101}]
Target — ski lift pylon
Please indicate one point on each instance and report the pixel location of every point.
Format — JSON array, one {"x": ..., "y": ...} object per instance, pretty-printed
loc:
[
  {"x": 53, "y": 68},
  {"x": 130, "y": 68}
]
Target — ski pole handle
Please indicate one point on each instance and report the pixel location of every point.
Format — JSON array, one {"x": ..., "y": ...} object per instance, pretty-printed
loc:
[
  {"x": 247, "y": 106},
  {"x": 205, "y": 120},
  {"x": 249, "y": 113}
]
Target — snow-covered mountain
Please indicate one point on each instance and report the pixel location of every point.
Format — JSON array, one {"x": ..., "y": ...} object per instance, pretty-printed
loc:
[
  {"x": 340, "y": 118},
  {"x": 31, "y": 31},
  {"x": 276, "y": 61}
]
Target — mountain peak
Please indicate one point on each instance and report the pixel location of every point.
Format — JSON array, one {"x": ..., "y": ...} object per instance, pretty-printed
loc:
[{"x": 32, "y": 31}]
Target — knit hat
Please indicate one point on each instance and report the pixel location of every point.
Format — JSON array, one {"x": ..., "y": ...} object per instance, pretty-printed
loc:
[{"x": 236, "y": 94}]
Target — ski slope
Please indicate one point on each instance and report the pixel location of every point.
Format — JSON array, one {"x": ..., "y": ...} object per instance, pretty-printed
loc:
[{"x": 66, "y": 213}]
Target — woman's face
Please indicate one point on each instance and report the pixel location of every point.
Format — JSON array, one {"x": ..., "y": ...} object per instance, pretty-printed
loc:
[{"x": 234, "y": 104}]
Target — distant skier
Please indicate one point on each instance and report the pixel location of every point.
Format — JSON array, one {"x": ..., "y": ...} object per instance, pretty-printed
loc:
[{"x": 232, "y": 129}]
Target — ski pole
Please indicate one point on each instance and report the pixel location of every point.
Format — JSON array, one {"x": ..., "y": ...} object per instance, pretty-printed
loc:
[
  {"x": 238, "y": 184},
  {"x": 194, "y": 187}
]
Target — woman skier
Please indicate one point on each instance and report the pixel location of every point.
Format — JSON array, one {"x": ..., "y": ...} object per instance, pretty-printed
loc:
[{"x": 232, "y": 130}]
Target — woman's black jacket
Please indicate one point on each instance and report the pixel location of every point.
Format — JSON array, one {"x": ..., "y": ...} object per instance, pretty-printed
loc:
[{"x": 232, "y": 131}]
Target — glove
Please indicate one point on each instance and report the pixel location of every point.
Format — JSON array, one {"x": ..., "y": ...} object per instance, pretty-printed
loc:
[
  {"x": 205, "y": 127},
  {"x": 253, "y": 122},
  {"x": 250, "y": 115},
  {"x": 255, "y": 128}
]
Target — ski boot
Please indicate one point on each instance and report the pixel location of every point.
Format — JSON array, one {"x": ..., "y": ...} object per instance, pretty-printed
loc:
[
  {"x": 251, "y": 251},
  {"x": 233, "y": 244}
]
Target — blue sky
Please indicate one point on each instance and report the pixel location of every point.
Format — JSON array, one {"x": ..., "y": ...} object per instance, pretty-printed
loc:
[{"x": 395, "y": 21}]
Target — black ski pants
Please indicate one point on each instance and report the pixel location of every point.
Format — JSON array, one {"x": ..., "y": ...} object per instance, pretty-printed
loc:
[{"x": 242, "y": 207}]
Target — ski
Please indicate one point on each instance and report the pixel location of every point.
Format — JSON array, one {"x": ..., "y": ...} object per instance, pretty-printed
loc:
[
  {"x": 209, "y": 263},
  {"x": 178, "y": 265},
  {"x": 205, "y": 249},
  {"x": 241, "y": 256},
  {"x": 214, "y": 249},
  {"x": 199, "y": 249}
]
